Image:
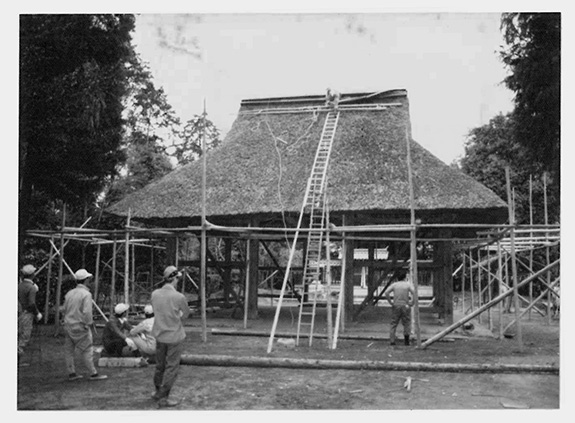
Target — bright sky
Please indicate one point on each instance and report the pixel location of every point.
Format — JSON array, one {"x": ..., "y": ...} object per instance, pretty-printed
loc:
[{"x": 448, "y": 63}]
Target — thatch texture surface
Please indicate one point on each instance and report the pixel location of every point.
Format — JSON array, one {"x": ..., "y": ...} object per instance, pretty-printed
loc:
[{"x": 263, "y": 165}]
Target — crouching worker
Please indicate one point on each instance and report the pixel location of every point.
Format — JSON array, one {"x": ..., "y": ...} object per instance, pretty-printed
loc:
[
  {"x": 115, "y": 337},
  {"x": 142, "y": 337},
  {"x": 403, "y": 298}
]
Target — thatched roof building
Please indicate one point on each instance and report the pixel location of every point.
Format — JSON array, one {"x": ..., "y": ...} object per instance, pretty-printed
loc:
[{"x": 262, "y": 167}]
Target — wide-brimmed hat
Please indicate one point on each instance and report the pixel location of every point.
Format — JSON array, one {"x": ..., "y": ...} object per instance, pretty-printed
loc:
[
  {"x": 121, "y": 308},
  {"x": 28, "y": 270},
  {"x": 82, "y": 274},
  {"x": 171, "y": 271}
]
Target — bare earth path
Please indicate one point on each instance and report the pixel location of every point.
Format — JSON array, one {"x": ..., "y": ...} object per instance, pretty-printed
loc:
[{"x": 43, "y": 384}]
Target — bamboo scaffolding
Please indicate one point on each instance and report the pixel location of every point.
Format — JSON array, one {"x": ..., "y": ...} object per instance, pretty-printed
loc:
[
  {"x": 533, "y": 304},
  {"x": 493, "y": 302}
]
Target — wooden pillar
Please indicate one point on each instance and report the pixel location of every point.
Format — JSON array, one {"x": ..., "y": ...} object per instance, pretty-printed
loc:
[
  {"x": 171, "y": 251},
  {"x": 227, "y": 270},
  {"x": 348, "y": 275},
  {"x": 444, "y": 272},
  {"x": 253, "y": 249}
]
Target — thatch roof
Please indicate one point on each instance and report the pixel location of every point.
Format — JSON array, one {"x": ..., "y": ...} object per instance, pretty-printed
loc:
[{"x": 263, "y": 165}]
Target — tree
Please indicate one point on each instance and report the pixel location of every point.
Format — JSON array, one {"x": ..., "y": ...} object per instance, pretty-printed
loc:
[
  {"x": 491, "y": 148},
  {"x": 150, "y": 125},
  {"x": 189, "y": 146},
  {"x": 72, "y": 81},
  {"x": 533, "y": 56}
]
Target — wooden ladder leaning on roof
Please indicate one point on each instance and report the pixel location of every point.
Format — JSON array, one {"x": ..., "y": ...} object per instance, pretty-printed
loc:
[{"x": 314, "y": 205}]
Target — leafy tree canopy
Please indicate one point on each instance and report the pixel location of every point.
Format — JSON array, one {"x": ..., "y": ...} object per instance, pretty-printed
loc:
[
  {"x": 533, "y": 56},
  {"x": 72, "y": 81}
]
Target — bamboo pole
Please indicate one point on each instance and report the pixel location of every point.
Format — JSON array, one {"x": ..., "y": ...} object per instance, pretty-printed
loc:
[
  {"x": 546, "y": 215},
  {"x": 97, "y": 273},
  {"x": 203, "y": 235},
  {"x": 489, "y": 288},
  {"x": 500, "y": 273},
  {"x": 479, "y": 283},
  {"x": 328, "y": 278},
  {"x": 513, "y": 262},
  {"x": 247, "y": 282},
  {"x": 60, "y": 271},
  {"x": 113, "y": 282},
  {"x": 493, "y": 302},
  {"x": 340, "y": 301},
  {"x": 472, "y": 299},
  {"x": 127, "y": 264},
  {"x": 413, "y": 264},
  {"x": 48, "y": 279},
  {"x": 463, "y": 283},
  {"x": 133, "y": 256},
  {"x": 531, "y": 235}
]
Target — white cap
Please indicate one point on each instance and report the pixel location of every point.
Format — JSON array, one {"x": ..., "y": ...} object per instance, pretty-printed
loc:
[
  {"x": 82, "y": 274},
  {"x": 148, "y": 309},
  {"x": 28, "y": 270},
  {"x": 121, "y": 308},
  {"x": 171, "y": 271}
]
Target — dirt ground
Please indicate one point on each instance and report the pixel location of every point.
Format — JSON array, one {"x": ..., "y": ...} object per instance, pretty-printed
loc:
[{"x": 43, "y": 384}]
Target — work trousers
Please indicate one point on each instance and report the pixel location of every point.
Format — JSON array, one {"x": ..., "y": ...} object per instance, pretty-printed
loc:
[
  {"x": 167, "y": 366},
  {"x": 115, "y": 348},
  {"x": 78, "y": 337},
  {"x": 400, "y": 313},
  {"x": 25, "y": 323}
]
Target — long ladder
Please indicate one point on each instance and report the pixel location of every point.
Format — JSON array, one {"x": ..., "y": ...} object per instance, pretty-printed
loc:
[{"x": 314, "y": 203}]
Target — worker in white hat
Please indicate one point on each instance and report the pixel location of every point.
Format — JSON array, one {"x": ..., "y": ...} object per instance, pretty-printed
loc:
[
  {"x": 27, "y": 309},
  {"x": 142, "y": 336},
  {"x": 77, "y": 315},
  {"x": 115, "y": 336},
  {"x": 170, "y": 310}
]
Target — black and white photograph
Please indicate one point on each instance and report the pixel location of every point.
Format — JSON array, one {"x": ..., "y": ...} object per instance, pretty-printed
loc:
[{"x": 256, "y": 208}]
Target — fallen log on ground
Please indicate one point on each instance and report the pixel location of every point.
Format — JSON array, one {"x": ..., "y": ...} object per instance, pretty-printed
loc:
[
  {"x": 234, "y": 332},
  {"x": 299, "y": 363}
]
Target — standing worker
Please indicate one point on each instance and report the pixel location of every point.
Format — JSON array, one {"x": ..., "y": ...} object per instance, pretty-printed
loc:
[
  {"x": 170, "y": 310},
  {"x": 77, "y": 312},
  {"x": 27, "y": 309},
  {"x": 400, "y": 308}
]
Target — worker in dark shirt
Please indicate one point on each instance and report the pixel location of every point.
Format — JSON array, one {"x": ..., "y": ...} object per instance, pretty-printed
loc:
[
  {"x": 115, "y": 336},
  {"x": 27, "y": 309}
]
